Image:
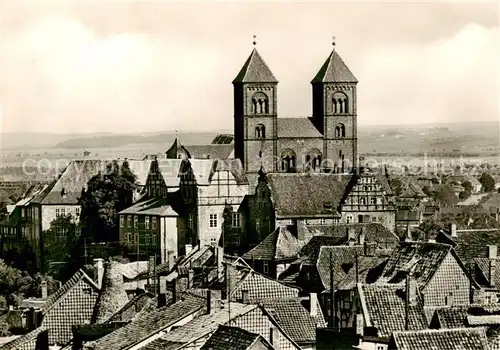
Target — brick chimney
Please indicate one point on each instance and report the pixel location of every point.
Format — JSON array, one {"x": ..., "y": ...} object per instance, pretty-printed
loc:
[
  {"x": 220, "y": 259},
  {"x": 361, "y": 237},
  {"x": 188, "y": 248},
  {"x": 98, "y": 271},
  {"x": 244, "y": 297},
  {"x": 44, "y": 289},
  {"x": 492, "y": 256},
  {"x": 313, "y": 301},
  {"x": 453, "y": 230},
  {"x": 170, "y": 259}
]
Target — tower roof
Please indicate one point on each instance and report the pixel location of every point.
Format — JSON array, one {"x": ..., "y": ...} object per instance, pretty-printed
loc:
[
  {"x": 177, "y": 151},
  {"x": 334, "y": 70},
  {"x": 255, "y": 70}
]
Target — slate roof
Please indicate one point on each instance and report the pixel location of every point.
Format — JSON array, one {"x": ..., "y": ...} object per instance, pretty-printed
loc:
[
  {"x": 212, "y": 151},
  {"x": 294, "y": 319},
  {"x": 255, "y": 70},
  {"x": 152, "y": 206},
  {"x": 279, "y": 245},
  {"x": 385, "y": 308},
  {"x": 234, "y": 166},
  {"x": 54, "y": 298},
  {"x": 25, "y": 341},
  {"x": 169, "y": 170},
  {"x": 313, "y": 195},
  {"x": 443, "y": 339},
  {"x": 297, "y": 128},
  {"x": 177, "y": 151},
  {"x": 423, "y": 259},
  {"x": 223, "y": 139},
  {"x": 233, "y": 338},
  {"x": 149, "y": 324},
  {"x": 343, "y": 264},
  {"x": 334, "y": 70}
]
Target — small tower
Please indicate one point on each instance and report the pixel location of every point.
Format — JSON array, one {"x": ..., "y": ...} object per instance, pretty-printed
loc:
[
  {"x": 334, "y": 111},
  {"x": 177, "y": 151},
  {"x": 255, "y": 114}
]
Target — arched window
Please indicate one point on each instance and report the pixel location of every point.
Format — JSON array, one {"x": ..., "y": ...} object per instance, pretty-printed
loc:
[
  {"x": 362, "y": 201},
  {"x": 313, "y": 160},
  {"x": 288, "y": 160},
  {"x": 341, "y": 162},
  {"x": 340, "y": 103},
  {"x": 260, "y": 131},
  {"x": 260, "y": 103},
  {"x": 373, "y": 201},
  {"x": 340, "y": 130}
]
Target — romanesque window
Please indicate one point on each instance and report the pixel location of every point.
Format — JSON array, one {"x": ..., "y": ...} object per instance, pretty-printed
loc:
[
  {"x": 340, "y": 163},
  {"x": 374, "y": 201},
  {"x": 362, "y": 201},
  {"x": 260, "y": 131},
  {"x": 313, "y": 160},
  {"x": 340, "y": 130},
  {"x": 260, "y": 103},
  {"x": 340, "y": 103},
  {"x": 288, "y": 160}
]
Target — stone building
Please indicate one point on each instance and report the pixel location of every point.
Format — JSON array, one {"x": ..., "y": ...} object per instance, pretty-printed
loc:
[{"x": 327, "y": 139}]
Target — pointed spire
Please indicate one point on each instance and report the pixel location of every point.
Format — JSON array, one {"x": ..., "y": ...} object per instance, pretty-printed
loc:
[
  {"x": 177, "y": 151},
  {"x": 255, "y": 70},
  {"x": 334, "y": 70}
]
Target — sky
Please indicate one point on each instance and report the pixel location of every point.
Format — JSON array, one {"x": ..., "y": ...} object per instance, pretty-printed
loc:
[{"x": 147, "y": 66}]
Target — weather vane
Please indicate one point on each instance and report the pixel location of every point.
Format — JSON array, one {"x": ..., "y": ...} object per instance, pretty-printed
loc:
[
  {"x": 254, "y": 40},
  {"x": 333, "y": 41}
]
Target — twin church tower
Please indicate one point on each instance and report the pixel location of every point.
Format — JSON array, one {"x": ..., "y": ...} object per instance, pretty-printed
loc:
[{"x": 325, "y": 142}]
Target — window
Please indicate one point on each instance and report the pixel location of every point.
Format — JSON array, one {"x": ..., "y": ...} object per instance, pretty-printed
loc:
[
  {"x": 146, "y": 222},
  {"x": 380, "y": 347},
  {"x": 147, "y": 239},
  {"x": 77, "y": 212},
  {"x": 373, "y": 201},
  {"x": 374, "y": 219},
  {"x": 260, "y": 103},
  {"x": 63, "y": 212},
  {"x": 153, "y": 239},
  {"x": 265, "y": 267},
  {"x": 122, "y": 221},
  {"x": 336, "y": 220},
  {"x": 313, "y": 160},
  {"x": 288, "y": 160},
  {"x": 129, "y": 220},
  {"x": 213, "y": 220},
  {"x": 129, "y": 237},
  {"x": 362, "y": 201},
  {"x": 23, "y": 231},
  {"x": 191, "y": 220},
  {"x": 260, "y": 131},
  {"x": 58, "y": 213},
  {"x": 349, "y": 219},
  {"x": 322, "y": 221},
  {"x": 153, "y": 222},
  {"x": 236, "y": 219},
  {"x": 136, "y": 221},
  {"x": 340, "y": 130},
  {"x": 340, "y": 104}
]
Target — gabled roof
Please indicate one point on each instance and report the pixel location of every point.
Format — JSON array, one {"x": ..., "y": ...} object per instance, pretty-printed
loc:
[
  {"x": 233, "y": 166},
  {"x": 297, "y": 128},
  {"x": 279, "y": 245},
  {"x": 212, "y": 151},
  {"x": 233, "y": 338},
  {"x": 294, "y": 319},
  {"x": 153, "y": 206},
  {"x": 149, "y": 324},
  {"x": 443, "y": 339},
  {"x": 313, "y": 195},
  {"x": 255, "y": 70},
  {"x": 385, "y": 308},
  {"x": 26, "y": 341},
  {"x": 177, "y": 151},
  {"x": 418, "y": 258},
  {"x": 334, "y": 70},
  {"x": 56, "y": 297},
  {"x": 456, "y": 316},
  {"x": 133, "y": 308}
]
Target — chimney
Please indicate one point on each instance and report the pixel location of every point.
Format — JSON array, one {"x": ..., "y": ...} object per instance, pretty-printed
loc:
[
  {"x": 359, "y": 324},
  {"x": 453, "y": 230},
  {"x": 170, "y": 259},
  {"x": 189, "y": 248},
  {"x": 220, "y": 259},
  {"x": 244, "y": 296},
  {"x": 162, "y": 300},
  {"x": 301, "y": 230},
  {"x": 11, "y": 307},
  {"x": 44, "y": 289},
  {"x": 411, "y": 296},
  {"x": 209, "y": 301},
  {"x": 274, "y": 338},
  {"x": 190, "y": 279},
  {"x": 98, "y": 271},
  {"x": 361, "y": 237},
  {"x": 351, "y": 240},
  {"x": 313, "y": 301},
  {"x": 492, "y": 255}
]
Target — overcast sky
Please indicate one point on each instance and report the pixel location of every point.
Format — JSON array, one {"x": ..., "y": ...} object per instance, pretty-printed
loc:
[{"x": 116, "y": 66}]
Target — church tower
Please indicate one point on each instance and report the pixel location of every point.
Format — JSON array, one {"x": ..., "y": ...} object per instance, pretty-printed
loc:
[
  {"x": 334, "y": 113},
  {"x": 255, "y": 115}
]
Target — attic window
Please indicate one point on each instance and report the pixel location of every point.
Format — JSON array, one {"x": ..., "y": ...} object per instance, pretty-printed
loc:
[
  {"x": 328, "y": 205},
  {"x": 63, "y": 193}
]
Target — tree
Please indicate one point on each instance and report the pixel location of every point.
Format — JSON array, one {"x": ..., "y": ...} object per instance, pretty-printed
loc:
[
  {"x": 487, "y": 182},
  {"x": 397, "y": 186},
  {"x": 445, "y": 195},
  {"x": 466, "y": 193},
  {"x": 107, "y": 193},
  {"x": 427, "y": 190}
]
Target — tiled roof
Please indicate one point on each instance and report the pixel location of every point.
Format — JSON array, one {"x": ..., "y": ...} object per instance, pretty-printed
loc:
[
  {"x": 133, "y": 307},
  {"x": 24, "y": 342},
  {"x": 456, "y": 316},
  {"x": 234, "y": 166},
  {"x": 112, "y": 296},
  {"x": 422, "y": 259},
  {"x": 207, "y": 323},
  {"x": 161, "y": 344},
  {"x": 213, "y": 151},
  {"x": 297, "y": 128},
  {"x": 411, "y": 190},
  {"x": 177, "y": 151},
  {"x": 308, "y": 255},
  {"x": 255, "y": 70},
  {"x": 169, "y": 170},
  {"x": 54, "y": 298},
  {"x": 152, "y": 206},
  {"x": 312, "y": 195},
  {"x": 149, "y": 324},
  {"x": 386, "y": 305},
  {"x": 132, "y": 269},
  {"x": 442, "y": 339},
  {"x": 293, "y": 319},
  {"x": 279, "y": 245},
  {"x": 343, "y": 263},
  {"x": 334, "y": 70},
  {"x": 232, "y": 338},
  {"x": 259, "y": 287}
]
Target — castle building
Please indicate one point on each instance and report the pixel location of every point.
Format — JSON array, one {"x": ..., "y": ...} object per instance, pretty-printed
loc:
[{"x": 326, "y": 141}]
